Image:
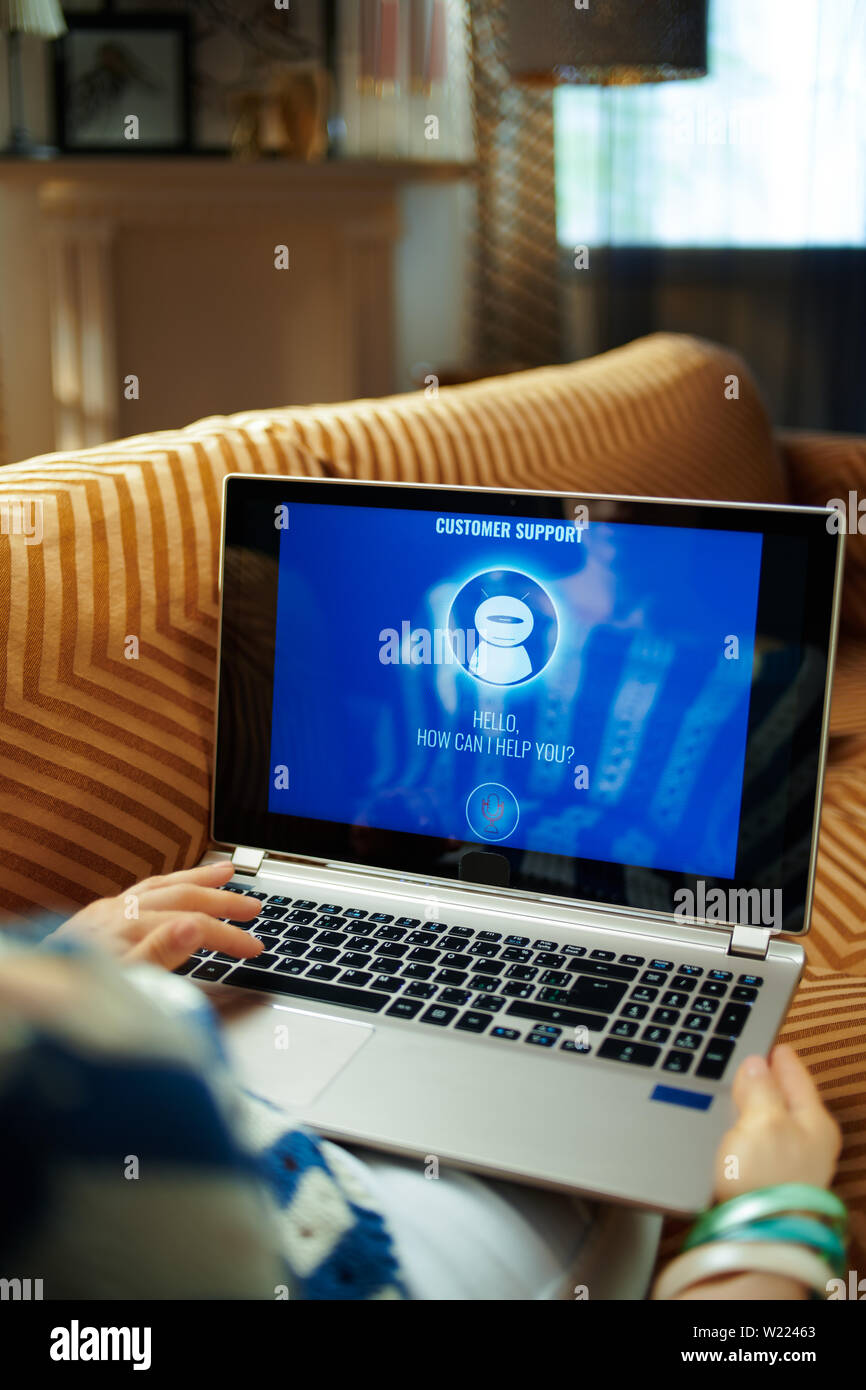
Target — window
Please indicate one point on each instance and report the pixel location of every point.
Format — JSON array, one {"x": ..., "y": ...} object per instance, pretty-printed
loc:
[{"x": 768, "y": 150}]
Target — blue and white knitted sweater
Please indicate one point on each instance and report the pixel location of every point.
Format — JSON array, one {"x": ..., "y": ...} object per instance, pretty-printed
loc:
[{"x": 132, "y": 1166}]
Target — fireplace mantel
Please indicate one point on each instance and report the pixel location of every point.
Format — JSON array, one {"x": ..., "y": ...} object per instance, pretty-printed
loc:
[{"x": 138, "y": 245}]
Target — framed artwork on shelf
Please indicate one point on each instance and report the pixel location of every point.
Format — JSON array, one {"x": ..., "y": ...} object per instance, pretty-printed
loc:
[{"x": 122, "y": 84}]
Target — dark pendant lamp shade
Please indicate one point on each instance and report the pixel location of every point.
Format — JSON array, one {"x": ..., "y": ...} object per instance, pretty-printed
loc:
[{"x": 607, "y": 42}]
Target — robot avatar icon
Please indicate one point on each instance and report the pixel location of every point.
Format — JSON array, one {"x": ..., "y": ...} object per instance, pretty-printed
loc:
[
  {"x": 503, "y": 624},
  {"x": 505, "y": 627}
]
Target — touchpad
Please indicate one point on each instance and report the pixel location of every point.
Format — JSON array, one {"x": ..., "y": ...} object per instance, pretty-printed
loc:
[{"x": 287, "y": 1055}]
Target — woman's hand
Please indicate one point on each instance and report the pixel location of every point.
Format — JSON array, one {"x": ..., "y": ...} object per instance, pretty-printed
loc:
[
  {"x": 163, "y": 920},
  {"x": 783, "y": 1133}
]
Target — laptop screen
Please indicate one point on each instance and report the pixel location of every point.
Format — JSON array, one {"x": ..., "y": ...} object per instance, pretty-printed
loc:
[{"x": 608, "y": 696}]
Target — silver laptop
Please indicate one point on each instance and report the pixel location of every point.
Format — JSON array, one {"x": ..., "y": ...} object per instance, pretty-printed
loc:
[{"x": 528, "y": 789}]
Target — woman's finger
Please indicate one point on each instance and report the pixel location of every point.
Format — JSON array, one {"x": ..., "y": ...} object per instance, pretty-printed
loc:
[
  {"x": 209, "y": 874},
  {"x": 191, "y": 897},
  {"x": 175, "y": 938},
  {"x": 755, "y": 1091},
  {"x": 795, "y": 1082}
]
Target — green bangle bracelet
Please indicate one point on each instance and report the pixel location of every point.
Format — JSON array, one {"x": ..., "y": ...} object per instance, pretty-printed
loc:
[
  {"x": 770, "y": 1201},
  {"x": 799, "y": 1230}
]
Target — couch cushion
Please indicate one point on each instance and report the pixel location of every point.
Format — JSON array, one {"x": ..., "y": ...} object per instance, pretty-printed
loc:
[
  {"x": 825, "y": 467},
  {"x": 105, "y": 743}
]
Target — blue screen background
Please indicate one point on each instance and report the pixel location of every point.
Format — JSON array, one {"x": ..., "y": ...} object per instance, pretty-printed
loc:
[{"x": 638, "y": 692}]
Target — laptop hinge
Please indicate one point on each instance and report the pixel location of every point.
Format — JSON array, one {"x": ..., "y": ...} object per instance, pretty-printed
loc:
[
  {"x": 247, "y": 861},
  {"x": 749, "y": 941}
]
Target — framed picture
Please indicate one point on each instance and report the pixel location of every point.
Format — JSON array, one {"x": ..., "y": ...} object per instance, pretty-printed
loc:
[{"x": 122, "y": 84}]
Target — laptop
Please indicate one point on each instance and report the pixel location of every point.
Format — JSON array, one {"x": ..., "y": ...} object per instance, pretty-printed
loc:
[{"x": 528, "y": 787}]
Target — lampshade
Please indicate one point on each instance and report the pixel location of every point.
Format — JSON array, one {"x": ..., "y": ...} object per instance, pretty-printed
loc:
[
  {"x": 41, "y": 17},
  {"x": 607, "y": 41}
]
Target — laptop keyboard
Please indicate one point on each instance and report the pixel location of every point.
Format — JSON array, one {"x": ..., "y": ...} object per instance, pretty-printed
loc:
[{"x": 673, "y": 1015}]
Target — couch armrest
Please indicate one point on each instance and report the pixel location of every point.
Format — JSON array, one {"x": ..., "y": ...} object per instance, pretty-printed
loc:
[{"x": 822, "y": 467}]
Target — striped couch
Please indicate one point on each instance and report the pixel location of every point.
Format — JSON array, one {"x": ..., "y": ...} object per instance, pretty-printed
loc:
[{"x": 108, "y": 625}]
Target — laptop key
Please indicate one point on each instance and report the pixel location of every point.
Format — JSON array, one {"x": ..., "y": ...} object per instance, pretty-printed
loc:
[
  {"x": 330, "y": 923},
  {"x": 689, "y": 1042},
  {"x": 455, "y": 960},
  {"x": 323, "y": 953},
  {"x": 419, "y": 990},
  {"x": 754, "y": 980},
  {"x": 602, "y": 955},
  {"x": 354, "y": 912},
  {"x": 715, "y": 988},
  {"x": 483, "y": 982},
  {"x": 263, "y": 961},
  {"x": 743, "y": 995},
  {"x": 492, "y": 1003},
  {"x": 545, "y": 946},
  {"x": 386, "y": 966},
  {"x": 516, "y": 953},
  {"x": 435, "y": 927},
  {"x": 304, "y": 904},
  {"x": 543, "y": 1013},
  {"x": 355, "y": 960},
  {"x": 300, "y": 933},
  {"x": 391, "y": 933},
  {"x": 490, "y": 936},
  {"x": 638, "y": 1054},
  {"x": 683, "y": 982},
  {"x": 210, "y": 970},
  {"x": 631, "y": 960},
  {"x": 623, "y": 1029},
  {"x": 272, "y": 910},
  {"x": 404, "y": 1008},
  {"x": 653, "y": 977},
  {"x": 408, "y": 922},
  {"x": 483, "y": 948},
  {"x": 307, "y": 988},
  {"x": 517, "y": 941},
  {"x": 380, "y": 917},
  {"x": 331, "y": 938},
  {"x": 721, "y": 975},
  {"x": 297, "y": 916},
  {"x": 643, "y": 995},
  {"x": 447, "y": 977},
  {"x": 732, "y": 1019},
  {"x": 550, "y": 959},
  {"x": 690, "y": 970},
  {"x": 635, "y": 1011},
  {"x": 322, "y": 972},
  {"x": 515, "y": 990},
  {"x": 330, "y": 908},
  {"x": 677, "y": 1061},
  {"x": 654, "y": 1034},
  {"x": 705, "y": 1006},
  {"x": 292, "y": 967},
  {"x": 555, "y": 977},
  {"x": 521, "y": 972},
  {"x": 540, "y": 1040},
  {"x": 423, "y": 972},
  {"x": 187, "y": 966},
  {"x": 421, "y": 938},
  {"x": 356, "y": 977},
  {"x": 473, "y": 1022},
  {"x": 438, "y": 1015},
  {"x": 602, "y": 968},
  {"x": 666, "y": 1016},
  {"x": 489, "y": 967},
  {"x": 661, "y": 965},
  {"x": 696, "y": 1023},
  {"x": 675, "y": 1000},
  {"x": 449, "y": 995},
  {"x": 390, "y": 983},
  {"x": 715, "y": 1059},
  {"x": 394, "y": 949},
  {"x": 507, "y": 1034},
  {"x": 426, "y": 956},
  {"x": 462, "y": 932}
]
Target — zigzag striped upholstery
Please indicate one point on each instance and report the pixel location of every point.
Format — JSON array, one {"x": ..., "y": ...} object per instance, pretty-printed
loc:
[{"x": 105, "y": 742}]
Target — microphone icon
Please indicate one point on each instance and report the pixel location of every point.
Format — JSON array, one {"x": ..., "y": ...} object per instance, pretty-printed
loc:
[
  {"x": 492, "y": 809},
  {"x": 492, "y": 812}
]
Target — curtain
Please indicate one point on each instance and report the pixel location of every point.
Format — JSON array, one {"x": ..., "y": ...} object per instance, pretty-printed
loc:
[
  {"x": 517, "y": 309},
  {"x": 733, "y": 206}
]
